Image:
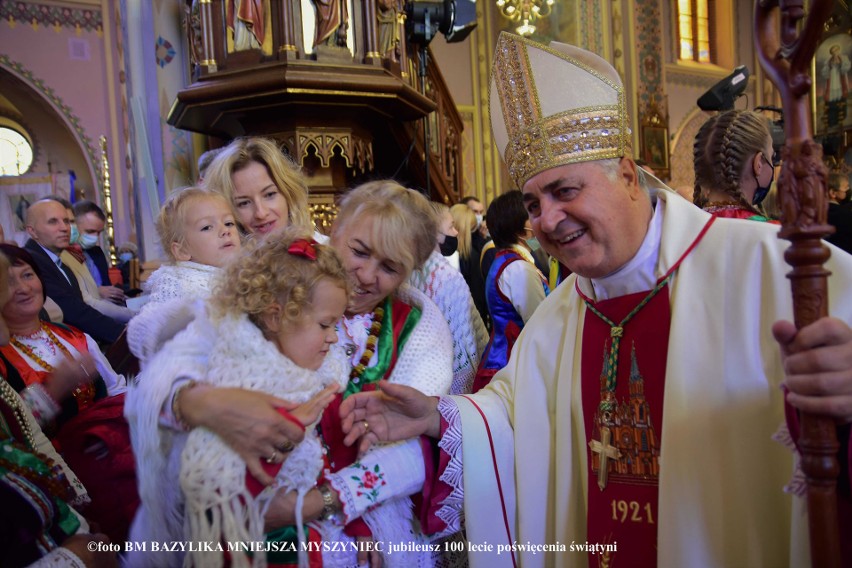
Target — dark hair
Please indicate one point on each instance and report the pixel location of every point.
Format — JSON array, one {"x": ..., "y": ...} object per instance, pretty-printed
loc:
[
  {"x": 506, "y": 218},
  {"x": 467, "y": 199},
  {"x": 18, "y": 257},
  {"x": 83, "y": 207}
]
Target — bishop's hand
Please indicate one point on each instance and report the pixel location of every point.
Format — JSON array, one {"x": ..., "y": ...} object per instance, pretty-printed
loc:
[
  {"x": 389, "y": 414},
  {"x": 818, "y": 366}
]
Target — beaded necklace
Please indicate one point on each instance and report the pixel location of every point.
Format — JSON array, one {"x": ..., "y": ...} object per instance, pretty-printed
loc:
[
  {"x": 372, "y": 341},
  {"x": 7, "y": 393},
  {"x": 84, "y": 393}
]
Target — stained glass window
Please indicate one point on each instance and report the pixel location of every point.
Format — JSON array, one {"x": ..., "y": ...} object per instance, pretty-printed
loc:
[{"x": 694, "y": 30}]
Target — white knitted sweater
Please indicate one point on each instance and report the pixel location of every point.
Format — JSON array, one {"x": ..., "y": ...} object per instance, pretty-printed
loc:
[
  {"x": 183, "y": 279},
  {"x": 447, "y": 288}
]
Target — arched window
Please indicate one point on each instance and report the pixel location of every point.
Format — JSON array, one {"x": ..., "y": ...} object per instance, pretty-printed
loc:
[
  {"x": 695, "y": 30},
  {"x": 16, "y": 152}
]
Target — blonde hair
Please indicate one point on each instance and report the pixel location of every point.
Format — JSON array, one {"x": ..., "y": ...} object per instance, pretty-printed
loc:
[
  {"x": 402, "y": 224},
  {"x": 438, "y": 211},
  {"x": 723, "y": 147},
  {"x": 266, "y": 274},
  {"x": 285, "y": 174},
  {"x": 171, "y": 220},
  {"x": 465, "y": 220}
]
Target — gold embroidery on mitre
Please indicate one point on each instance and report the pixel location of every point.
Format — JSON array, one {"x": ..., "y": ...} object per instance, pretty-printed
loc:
[
  {"x": 581, "y": 135},
  {"x": 517, "y": 89},
  {"x": 574, "y": 135}
]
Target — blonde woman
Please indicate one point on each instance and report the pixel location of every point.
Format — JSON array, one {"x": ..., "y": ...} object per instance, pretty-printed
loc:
[
  {"x": 265, "y": 188},
  {"x": 389, "y": 331},
  {"x": 445, "y": 286},
  {"x": 465, "y": 221}
]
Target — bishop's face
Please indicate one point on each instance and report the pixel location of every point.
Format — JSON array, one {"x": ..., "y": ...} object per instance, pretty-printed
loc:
[{"x": 592, "y": 220}]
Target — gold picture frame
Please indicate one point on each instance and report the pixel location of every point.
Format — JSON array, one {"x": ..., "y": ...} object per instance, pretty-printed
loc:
[{"x": 655, "y": 148}]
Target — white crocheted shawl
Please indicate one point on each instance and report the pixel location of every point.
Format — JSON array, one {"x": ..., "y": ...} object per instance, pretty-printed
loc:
[
  {"x": 183, "y": 279},
  {"x": 212, "y": 476},
  {"x": 447, "y": 288}
]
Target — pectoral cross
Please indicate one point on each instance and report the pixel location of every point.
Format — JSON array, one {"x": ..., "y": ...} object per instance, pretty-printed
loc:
[{"x": 606, "y": 451}]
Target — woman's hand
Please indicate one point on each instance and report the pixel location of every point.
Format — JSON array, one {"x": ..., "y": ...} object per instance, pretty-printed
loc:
[
  {"x": 70, "y": 374},
  {"x": 392, "y": 413},
  {"x": 248, "y": 421}
]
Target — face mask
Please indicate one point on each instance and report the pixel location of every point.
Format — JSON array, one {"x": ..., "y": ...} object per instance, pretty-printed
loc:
[
  {"x": 761, "y": 191},
  {"x": 88, "y": 241},
  {"x": 75, "y": 234},
  {"x": 125, "y": 256},
  {"x": 478, "y": 221},
  {"x": 533, "y": 244},
  {"x": 449, "y": 246}
]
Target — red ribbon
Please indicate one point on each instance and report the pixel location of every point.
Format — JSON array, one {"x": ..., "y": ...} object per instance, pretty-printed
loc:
[{"x": 304, "y": 248}]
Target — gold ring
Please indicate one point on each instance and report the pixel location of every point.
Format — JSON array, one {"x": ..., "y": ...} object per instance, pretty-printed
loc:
[
  {"x": 271, "y": 459},
  {"x": 286, "y": 447}
]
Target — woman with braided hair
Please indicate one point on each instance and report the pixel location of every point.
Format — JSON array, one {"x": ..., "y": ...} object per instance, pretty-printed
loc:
[{"x": 733, "y": 165}]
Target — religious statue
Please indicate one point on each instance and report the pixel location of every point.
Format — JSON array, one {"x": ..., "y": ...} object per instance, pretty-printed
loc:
[
  {"x": 245, "y": 20},
  {"x": 332, "y": 22},
  {"x": 835, "y": 74},
  {"x": 192, "y": 28},
  {"x": 387, "y": 16}
]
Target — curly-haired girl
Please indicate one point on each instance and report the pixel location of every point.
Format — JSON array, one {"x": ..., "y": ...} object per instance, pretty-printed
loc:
[{"x": 272, "y": 323}]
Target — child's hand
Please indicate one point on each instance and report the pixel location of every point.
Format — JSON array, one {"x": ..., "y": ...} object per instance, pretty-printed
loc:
[
  {"x": 309, "y": 412},
  {"x": 370, "y": 557}
]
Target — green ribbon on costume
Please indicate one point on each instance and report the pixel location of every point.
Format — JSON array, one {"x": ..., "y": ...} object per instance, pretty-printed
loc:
[
  {"x": 12, "y": 455},
  {"x": 287, "y": 553},
  {"x": 385, "y": 348}
]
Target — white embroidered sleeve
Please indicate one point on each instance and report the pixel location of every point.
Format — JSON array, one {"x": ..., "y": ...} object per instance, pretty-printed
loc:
[
  {"x": 387, "y": 471},
  {"x": 42, "y": 406},
  {"x": 452, "y": 508}
]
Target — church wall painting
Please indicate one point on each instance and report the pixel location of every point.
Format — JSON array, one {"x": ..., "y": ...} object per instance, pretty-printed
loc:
[
  {"x": 655, "y": 150},
  {"x": 830, "y": 93},
  {"x": 832, "y": 71}
]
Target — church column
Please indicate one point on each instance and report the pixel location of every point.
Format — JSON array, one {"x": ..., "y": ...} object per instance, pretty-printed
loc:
[
  {"x": 287, "y": 49},
  {"x": 371, "y": 47},
  {"x": 208, "y": 61}
]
